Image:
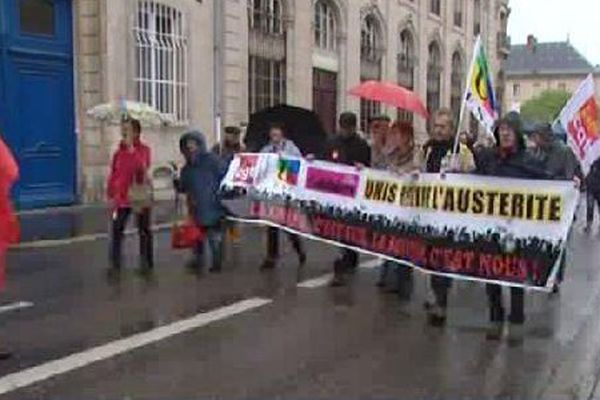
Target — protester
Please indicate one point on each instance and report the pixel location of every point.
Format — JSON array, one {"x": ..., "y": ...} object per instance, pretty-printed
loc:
[
  {"x": 558, "y": 160},
  {"x": 279, "y": 144},
  {"x": 508, "y": 159},
  {"x": 200, "y": 180},
  {"x": 438, "y": 157},
  {"x": 128, "y": 179},
  {"x": 592, "y": 185},
  {"x": 378, "y": 129},
  {"x": 347, "y": 148},
  {"x": 398, "y": 156},
  {"x": 231, "y": 144},
  {"x": 227, "y": 150},
  {"x": 9, "y": 226}
]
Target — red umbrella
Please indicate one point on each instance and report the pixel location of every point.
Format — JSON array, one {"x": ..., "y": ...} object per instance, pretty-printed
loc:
[{"x": 390, "y": 94}]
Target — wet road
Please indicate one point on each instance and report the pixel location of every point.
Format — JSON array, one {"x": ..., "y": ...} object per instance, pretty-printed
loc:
[{"x": 305, "y": 341}]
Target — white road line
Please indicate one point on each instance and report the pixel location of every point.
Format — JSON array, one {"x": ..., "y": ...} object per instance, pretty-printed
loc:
[
  {"x": 323, "y": 280},
  {"x": 47, "y": 370},
  {"x": 15, "y": 306},
  {"x": 316, "y": 282}
]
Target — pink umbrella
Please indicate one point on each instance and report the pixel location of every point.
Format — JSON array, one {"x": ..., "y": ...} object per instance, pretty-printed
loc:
[{"x": 390, "y": 94}]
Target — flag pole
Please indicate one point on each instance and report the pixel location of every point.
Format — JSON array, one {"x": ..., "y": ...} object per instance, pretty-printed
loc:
[{"x": 463, "y": 104}]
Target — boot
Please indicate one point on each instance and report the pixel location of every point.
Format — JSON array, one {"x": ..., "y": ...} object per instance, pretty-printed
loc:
[
  {"x": 437, "y": 316},
  {"x": 269, "y": 263}
]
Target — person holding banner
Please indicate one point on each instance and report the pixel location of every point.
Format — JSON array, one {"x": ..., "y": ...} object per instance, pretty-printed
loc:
[
  {"x": 438, "y": 157},
  {"x": 508, "y": 159},
  {"x": 279, "y": 144},
  {"x": 347, "y": 148}
]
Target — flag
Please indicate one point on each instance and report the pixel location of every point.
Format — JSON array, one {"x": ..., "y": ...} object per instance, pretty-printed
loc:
[
  {"x": 288, "y": 170},
  {"x": 480, "y": 98},
  {"x": 579, "y": 118},
  {"x": 9, "y": 226}
]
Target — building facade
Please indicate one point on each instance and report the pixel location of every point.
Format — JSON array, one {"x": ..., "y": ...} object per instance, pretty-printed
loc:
[
  {"x": 533, "y": 68},
  {"x": 210, "y": 63}
]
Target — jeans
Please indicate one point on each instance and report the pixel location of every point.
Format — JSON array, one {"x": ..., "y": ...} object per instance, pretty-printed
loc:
[
  {"x": 591, "y": 201},
  {"x": 119, "y": 221},
  {"x": 214, "y": 235},
  {"x": 517, "y": 304},
  {"x": 273, "y": 243}
]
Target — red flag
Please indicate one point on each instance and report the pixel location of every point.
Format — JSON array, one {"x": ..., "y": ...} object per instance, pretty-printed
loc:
[{"x": 9, "y": 225}]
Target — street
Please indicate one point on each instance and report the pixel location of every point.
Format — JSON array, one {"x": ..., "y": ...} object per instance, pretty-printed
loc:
[{"x": 277, "y": 334}]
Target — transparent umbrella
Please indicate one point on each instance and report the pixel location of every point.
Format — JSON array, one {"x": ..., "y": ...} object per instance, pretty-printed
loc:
[{"x": 124, "y": 109}]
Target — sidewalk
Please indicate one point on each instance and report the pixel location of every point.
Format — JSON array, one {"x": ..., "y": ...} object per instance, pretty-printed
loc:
[{"x": 72, "y": 222}]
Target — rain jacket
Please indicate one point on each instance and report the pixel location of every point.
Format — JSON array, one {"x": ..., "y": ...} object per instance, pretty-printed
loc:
[
  {"x": 348, "y": 149},
  {"x": 518, "y": 163},
  {"x": 128, "y": 166},
  {"x": 9, "y": 171},
  {"x": 200, "y": 180},
  {"x": 558, "y": 160}
]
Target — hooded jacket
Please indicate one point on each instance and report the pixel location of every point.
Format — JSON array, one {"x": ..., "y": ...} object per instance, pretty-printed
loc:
[
  {"x": 200, "y": 180},
  {"x": 517, "y": 163},
  {"x": 128, "y": 166},
  {"x": 348, "y": 149}
]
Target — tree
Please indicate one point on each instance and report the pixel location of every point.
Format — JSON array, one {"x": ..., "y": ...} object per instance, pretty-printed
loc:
[{"x": 546, "y": 106}]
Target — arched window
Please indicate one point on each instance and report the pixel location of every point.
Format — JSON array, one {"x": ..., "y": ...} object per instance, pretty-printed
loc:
[
  {"x": 266, "y": 54},
  {"x": 456, "y": 83},
  {"x": 371, "y": 52},
  {"x": 434, "y": 76},
  {"x": 325, "y": 26},
  {"x": 406, "y": 67},
  {"x": 161, "y": 44}
]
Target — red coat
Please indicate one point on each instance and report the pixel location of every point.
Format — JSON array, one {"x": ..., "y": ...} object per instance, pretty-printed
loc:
[
  {"x": 9, "y": 172},
  {"x": 128, "y": 166}
]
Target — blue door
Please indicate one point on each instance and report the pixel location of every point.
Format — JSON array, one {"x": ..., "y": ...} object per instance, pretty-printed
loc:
[{"x": 37, "y": 109}]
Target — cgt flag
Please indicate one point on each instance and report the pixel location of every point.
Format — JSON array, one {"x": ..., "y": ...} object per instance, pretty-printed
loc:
[
  {"x": 579, "y": 118},
  {"x": 480, "y": 98}
]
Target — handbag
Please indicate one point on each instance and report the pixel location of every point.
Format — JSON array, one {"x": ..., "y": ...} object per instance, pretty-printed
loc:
[
  {"x": 140, "y": 196},
  {"x": 186, "y": 234}
]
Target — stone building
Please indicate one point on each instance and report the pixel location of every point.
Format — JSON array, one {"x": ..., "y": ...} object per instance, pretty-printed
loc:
[
  {"x": 210, "y": 63},
  {"x": 535, "y": 67}
]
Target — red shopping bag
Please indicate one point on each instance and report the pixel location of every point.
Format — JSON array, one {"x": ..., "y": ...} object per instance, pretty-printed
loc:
[{"x": 185, "y": 235}]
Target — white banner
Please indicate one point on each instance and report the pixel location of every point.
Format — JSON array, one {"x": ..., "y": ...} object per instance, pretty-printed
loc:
[{"x": 508, "y": 231}]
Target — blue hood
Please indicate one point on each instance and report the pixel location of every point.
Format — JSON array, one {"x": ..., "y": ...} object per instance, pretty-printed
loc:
[{"x": 198, "y": 137}]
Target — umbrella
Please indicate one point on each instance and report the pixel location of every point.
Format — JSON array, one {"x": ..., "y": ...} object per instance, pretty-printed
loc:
[
  {"x": 124, "y": 109},
  {"x": 303, "y": 127},
  {"x": 390, "y": 94}
]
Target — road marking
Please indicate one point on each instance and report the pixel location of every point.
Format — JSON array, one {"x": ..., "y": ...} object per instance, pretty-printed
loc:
[
  {"x": 39, "y": 244},
  {"x": 75, "y": 361},
  {"x": 323, "y": 280},
  {"x": 15, "y": 306},
  {"x": 316, "y": 282}
]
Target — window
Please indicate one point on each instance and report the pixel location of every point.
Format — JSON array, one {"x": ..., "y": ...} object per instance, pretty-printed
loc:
[
  {"x": 371, "y": 52},
  {"x": 456, "y": 84},
  {"x": 562, "y": 86},
  {"x": 266, "y": 16},
  {"x": 161, "y": 45},
  {"x": 435, "y": 7},
  {"x": 458, "y": 12},
  {"x": 36, "y": 17},
  {"x": 434, "y": 76},
  {"x": 406, "y": 68},
  {"x": 516, "y": 90},
  {"x": 325, "y": 26},
  {"x": 266, "y": 55},
  {"x": 476, "y": 17}
]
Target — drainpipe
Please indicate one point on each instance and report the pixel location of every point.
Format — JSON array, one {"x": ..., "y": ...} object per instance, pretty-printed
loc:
[{"x": 218, "y": 32}]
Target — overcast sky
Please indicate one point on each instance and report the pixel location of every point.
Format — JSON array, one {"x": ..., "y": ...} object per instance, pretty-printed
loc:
[{"x": 554, "y": 20}]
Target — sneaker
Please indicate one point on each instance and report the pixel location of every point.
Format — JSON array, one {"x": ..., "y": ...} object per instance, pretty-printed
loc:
[{"x": 495, "y": 330}]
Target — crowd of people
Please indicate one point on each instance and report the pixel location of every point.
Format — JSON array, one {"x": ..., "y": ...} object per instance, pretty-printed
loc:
[{"x": 391, "y": 146}]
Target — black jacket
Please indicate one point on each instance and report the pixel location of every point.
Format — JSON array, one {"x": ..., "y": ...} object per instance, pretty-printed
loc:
[
  {"x": 517, "y": 165},
  {"x": 348, "y": 149}
]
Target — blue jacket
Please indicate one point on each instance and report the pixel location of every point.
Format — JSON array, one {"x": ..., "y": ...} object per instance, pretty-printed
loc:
[{"x": 200, "y": 179}]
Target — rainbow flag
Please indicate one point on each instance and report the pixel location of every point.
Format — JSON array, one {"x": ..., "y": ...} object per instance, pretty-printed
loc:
[
  {"x": 480, "y": 98},
  {"x": 288, "y": 170}
]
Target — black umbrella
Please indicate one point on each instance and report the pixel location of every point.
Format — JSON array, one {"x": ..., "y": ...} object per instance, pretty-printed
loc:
[{"x": 303, "y": 127}]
